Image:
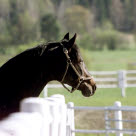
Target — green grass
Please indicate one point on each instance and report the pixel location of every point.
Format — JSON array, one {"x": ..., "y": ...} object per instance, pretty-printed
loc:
[
  {"x": 102, "y": 97},
  {"x": 108, "y": 60}
]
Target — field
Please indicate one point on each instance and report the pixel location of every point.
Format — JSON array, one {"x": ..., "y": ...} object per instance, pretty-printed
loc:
[
  {"x": 109, "y": 60},
  {"x": 97, "y": 61},
  {"x": 102, "y": 97}
]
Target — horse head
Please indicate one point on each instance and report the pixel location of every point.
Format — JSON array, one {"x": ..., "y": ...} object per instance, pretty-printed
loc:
[{"x": 69, "y": 67}]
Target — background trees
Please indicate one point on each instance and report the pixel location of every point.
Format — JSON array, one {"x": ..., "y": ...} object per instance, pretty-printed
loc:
[
  {"x": 78, "y": 19},
  {"x": 31, "y": 20},
  {"x": 49, "y": 27}
]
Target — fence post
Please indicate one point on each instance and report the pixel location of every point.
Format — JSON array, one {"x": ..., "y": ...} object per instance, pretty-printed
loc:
[
  {"x": 21, "y": 124},
  {"x": 122, "y": 81},
  {"x": 118, "y": 118},
  {"x": 45, "y": 91},
  {"x": 32, "y": 105},
  {"x": 107, "y": 123},
  {"x": 62, "y": 112},
  {"x": 70, "y": 119},
  {"x": 58, "y": 113}
]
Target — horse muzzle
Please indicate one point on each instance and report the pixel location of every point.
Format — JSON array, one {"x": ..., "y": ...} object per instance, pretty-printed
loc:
[{"x": 88, "y": 88}]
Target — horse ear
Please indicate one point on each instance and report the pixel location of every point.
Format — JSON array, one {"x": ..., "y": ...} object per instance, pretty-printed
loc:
[
  {"x": 66, "y": 36},
  {"x": 72, "y": 41}
]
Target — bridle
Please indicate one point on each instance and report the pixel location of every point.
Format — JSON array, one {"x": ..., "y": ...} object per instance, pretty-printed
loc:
[{"x": 80, "y": 77}]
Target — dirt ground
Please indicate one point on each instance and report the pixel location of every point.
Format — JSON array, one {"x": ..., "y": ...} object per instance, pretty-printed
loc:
[{"x": 96, "y": 119}]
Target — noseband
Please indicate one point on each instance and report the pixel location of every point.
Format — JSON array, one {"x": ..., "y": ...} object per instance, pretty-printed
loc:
[{"x": 80, "y": 77}]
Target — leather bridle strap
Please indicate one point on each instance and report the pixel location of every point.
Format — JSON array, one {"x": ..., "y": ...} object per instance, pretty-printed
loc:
[{"x": 80, "y": 78}]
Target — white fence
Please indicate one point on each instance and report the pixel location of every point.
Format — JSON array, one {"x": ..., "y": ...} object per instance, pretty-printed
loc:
[
  {"x": 118, "y": 120},
  {"x": 37, "y": 117},
  {"x": 108, "y": 79},
  {"x": 52, "y": 117}
]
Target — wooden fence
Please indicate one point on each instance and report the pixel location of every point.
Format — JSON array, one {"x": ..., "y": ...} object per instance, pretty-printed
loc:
[{"x": 108, "y": 79}]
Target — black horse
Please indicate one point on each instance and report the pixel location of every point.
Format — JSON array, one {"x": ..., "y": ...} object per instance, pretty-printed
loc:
[{"x": 26, "y": 74}]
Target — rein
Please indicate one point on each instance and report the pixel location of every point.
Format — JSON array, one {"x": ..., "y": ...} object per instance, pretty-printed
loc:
[{"x": 80, "y": 77}]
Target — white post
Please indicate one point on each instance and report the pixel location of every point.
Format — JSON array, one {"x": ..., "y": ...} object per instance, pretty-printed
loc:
[
  {"x": 58, "y": 112},
  {"x": 62, "y": 112},
  {"x": 40, "y": 106},
  {"x": 118, "y": 117},
  {"x": 122, "y": 81},
  {"x": 45, "y": 91},
  {"x": 70, "y": 119},
  {"x": 21, "y": 124},
  {"x": 107, "y": 123}
]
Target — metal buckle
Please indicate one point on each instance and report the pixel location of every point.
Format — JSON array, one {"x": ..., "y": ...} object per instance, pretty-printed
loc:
[
  {"x": 65, "y": 50},
  {"x": 69, "y": 60}
]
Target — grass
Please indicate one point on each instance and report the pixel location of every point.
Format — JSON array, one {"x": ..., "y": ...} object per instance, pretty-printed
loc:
[
  {"x": 102, "y": 97},
  {"x": 108, "y": 60}
]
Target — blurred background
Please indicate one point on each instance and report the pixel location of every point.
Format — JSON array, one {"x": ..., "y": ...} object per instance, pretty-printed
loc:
[
  {"x": 106, "y": 35},
  {"x": 103, "y": 26}
]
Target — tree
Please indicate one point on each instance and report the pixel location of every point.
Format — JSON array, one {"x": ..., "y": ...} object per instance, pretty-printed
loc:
[
  {"x": 117, "y": 14},
  {"x": 134, "y": 13},
  {"x": 50, "y": 29},
  {"x": 78, "y": 19},
  {"x": 101, "y": 10},
  {"x": 85, "y": 3},
  {"x": 4, "y": 8},
  {"x": 5, "y": 38}
]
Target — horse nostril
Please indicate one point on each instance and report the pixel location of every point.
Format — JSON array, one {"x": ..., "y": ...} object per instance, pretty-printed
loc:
[
  {"x": 81, "y": 79},
  {"x": 94, "y": 88}
]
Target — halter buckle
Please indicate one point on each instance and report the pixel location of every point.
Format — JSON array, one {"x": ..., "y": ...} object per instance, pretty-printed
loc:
[
  {"x": 65, "y": 50},
  {"x": 69, "y": 60}
]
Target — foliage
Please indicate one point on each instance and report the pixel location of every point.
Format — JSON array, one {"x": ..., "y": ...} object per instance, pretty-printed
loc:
[
  {"x": 23, "y": 47},
  {"x": 25, "y": 30},
  {"x": 85, "y": 3},
  {"x": 78, "y": 19},
  {"x": 106, "y": 37},
  {"x": 102, "y": 10},
  {"x": 49, "y": 27},
  {"x": 86, "y": 42},
  {"x": 31, "y": 20},
  {"x": 5, "y": 39}
]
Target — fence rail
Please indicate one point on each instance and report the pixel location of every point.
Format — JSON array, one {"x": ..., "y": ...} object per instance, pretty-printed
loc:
[
  {"x": 118, "y": 119},
  {"x": 108, "y": 79}
]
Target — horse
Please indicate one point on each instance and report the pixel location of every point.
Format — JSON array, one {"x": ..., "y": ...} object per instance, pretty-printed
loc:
[{"x": 26, "y": 74}]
